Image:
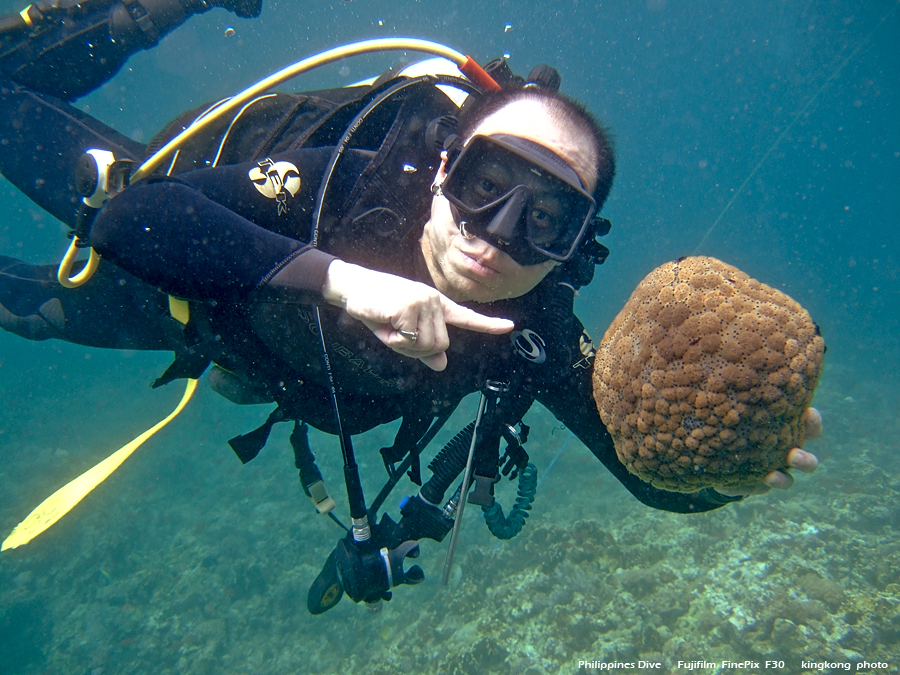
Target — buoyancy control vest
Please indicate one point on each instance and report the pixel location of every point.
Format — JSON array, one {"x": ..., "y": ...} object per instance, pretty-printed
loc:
[{"x": 388, "y": 123}]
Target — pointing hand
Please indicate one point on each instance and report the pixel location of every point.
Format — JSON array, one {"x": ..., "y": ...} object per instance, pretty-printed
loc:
[{"x": 409, "y": 317}]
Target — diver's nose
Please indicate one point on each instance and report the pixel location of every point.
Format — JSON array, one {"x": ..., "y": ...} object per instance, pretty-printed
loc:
[{"x": 505, "y": 224}]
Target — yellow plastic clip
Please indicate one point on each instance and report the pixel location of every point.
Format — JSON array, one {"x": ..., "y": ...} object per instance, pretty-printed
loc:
[
  {"x": 26, "y": 17},
  {"x": 68, "y": 262},
  {"x": 180, "y": 310}
]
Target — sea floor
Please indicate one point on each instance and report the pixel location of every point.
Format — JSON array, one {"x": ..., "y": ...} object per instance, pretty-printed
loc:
[{"x": 186, "y": 561}]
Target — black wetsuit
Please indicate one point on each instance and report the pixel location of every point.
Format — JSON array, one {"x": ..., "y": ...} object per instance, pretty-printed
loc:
[{"x": 217, "y": 230}]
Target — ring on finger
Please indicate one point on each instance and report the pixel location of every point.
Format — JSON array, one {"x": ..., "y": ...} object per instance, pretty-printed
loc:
[{"x": 411, "y": 335}]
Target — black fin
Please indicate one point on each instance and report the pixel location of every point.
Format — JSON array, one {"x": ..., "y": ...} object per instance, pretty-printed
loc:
[{"x": 247, "y": 446}]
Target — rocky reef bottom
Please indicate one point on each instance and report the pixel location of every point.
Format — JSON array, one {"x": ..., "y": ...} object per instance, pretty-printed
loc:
[{"x": 186, "y": 562}]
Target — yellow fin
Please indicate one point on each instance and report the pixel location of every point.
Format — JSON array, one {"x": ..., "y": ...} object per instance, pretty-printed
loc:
[
  {"x": 61, "y": 502},
  {"x": 180, "y": 310}
]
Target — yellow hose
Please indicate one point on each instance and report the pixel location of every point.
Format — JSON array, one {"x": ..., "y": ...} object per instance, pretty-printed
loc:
[{"x": 353, "y": 49}]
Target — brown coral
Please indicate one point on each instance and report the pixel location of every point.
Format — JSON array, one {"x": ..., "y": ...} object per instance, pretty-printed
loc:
[{"x": 704, "y": 375}]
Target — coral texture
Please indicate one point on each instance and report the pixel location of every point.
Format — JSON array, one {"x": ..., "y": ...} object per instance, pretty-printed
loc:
[{"x": 704, "y": 375}]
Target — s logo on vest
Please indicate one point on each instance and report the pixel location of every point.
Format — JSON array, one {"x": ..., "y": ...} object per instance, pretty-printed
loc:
[
  {"x": 276, "y": 180},
  {"x": 529, "y": 345}
]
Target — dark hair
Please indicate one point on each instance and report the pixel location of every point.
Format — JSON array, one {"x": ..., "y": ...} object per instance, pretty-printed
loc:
[{"x": 567, "y": 110}]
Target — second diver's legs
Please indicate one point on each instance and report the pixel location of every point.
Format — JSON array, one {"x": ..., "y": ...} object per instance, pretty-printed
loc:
[
  {"x": 68, "y": 48},
  {"x": 112, "y": 310},
  {"x": 63, "y": 51},
  {"x": 52, "y": 52},
  {"x": 41, "y": 141}
]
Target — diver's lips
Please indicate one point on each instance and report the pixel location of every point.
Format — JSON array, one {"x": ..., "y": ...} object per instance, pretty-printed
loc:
[{"x": 479, "y": 268}]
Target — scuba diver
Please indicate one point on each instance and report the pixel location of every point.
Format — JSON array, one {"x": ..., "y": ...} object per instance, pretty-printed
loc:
[{"x": 353, "y": 256}]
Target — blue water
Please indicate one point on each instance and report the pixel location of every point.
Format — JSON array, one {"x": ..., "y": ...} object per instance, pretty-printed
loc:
[{"x": 185, "y": 561}]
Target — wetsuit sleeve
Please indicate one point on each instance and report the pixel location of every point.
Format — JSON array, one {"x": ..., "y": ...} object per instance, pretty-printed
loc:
[
  {"x": 210, "y": 235},
  {"x": 570, "y": 398}
]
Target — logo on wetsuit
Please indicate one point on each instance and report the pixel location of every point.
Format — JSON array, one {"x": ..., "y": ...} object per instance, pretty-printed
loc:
[
  {"x": 587, "y": 350},
  {"x": 276, "y": 180},
  {"x": 532, "y": 347},
  {"x": 529, "y": 345}
]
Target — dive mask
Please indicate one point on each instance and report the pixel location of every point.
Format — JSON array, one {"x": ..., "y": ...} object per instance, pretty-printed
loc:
[{"x": 520, "y": 196}]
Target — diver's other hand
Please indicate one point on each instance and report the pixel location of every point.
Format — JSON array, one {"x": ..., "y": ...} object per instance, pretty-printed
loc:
[
  {"x": 409, "y": 317},
  {"x": 797, "y": 458},
  {"x": 812, "y": 423}
]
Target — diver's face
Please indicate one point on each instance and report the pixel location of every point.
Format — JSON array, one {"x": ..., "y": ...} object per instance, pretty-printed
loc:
[
  {"x": 470, "y": 268},
  {"x": 466, "y": 269}
]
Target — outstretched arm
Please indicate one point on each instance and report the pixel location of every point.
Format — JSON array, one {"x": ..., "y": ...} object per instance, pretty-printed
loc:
[{"x": 172, "y": 236}]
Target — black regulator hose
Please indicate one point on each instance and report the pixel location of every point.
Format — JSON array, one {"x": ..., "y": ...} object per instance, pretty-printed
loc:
[
  {"x": 451, "y": 460},
  {"x": 447, "y": 465},
  {"x": 507, "y": 528}
]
